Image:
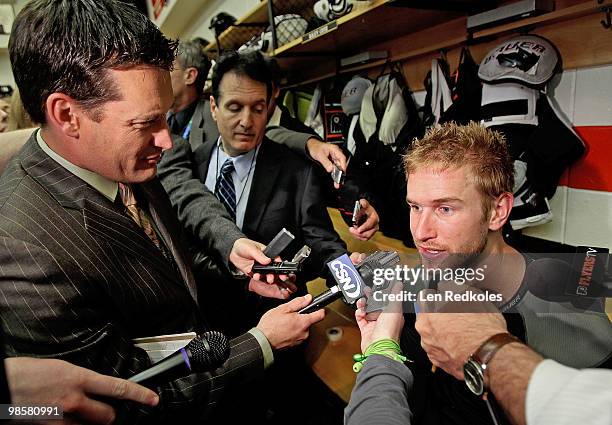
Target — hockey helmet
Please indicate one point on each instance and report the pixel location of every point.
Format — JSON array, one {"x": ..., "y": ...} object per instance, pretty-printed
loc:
[{"x": 530, "y": 60}]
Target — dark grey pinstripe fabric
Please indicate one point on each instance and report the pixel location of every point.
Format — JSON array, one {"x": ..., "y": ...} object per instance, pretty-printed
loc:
[{"x": 79, "y": 280}]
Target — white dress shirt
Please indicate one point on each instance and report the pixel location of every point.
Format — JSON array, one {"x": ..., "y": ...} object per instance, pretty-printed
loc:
[{"x": 560, "y": 395}]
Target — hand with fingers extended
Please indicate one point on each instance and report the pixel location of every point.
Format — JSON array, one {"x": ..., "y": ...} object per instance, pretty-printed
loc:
[
  {"x": 52, "y": 382},
  {"x": 285, "y": 327}
]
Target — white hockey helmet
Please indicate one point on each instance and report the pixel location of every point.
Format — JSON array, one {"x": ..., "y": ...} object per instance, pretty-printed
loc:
[{"x": 530, "y": 60}]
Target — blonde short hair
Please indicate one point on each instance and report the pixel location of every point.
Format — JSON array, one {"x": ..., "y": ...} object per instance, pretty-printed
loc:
[{"x": 452, "y": 146}]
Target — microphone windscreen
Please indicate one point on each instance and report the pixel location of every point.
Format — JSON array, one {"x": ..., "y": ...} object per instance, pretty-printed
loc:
[
  {"x": 208, "y": 351},
  {"x": 546, "y": 278},
  {"x": 549, "y": 278}
]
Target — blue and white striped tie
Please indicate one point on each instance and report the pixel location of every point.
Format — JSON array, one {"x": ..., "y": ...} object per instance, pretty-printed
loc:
[{"x": 224, "y": 189}]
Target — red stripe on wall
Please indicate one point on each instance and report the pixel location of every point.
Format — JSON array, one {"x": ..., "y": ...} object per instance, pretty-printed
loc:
[
  {"x": 564, "y": 180},
  {"x": 594, "y": 170}
]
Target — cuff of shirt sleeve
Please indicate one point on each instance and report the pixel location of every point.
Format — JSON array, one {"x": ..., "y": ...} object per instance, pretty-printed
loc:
[
  {"x": 266, "y": 348},
  {"x": 546, "y": 376},
  {"x": 398, "y": 368}
]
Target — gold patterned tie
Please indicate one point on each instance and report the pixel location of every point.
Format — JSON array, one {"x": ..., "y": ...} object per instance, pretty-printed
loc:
[{"x": 140, "y": 217}]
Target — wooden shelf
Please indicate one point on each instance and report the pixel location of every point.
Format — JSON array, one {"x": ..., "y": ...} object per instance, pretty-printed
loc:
[
  {"x": 355, "y": 33},
  {"x": 365, "y": 27},
  {"x": 409, "y": 35},
  {"x": 332, "y": 362},
  {"x": 413, "y": 34}
]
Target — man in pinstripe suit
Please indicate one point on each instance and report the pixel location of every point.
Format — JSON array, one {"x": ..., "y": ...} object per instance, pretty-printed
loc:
[{"x": 79, "y": 278}]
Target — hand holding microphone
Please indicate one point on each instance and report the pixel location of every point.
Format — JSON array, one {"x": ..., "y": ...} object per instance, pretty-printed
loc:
[
  {"x": 284, "y": 327},
  {"x": 204, "y": 353},
  {"x": 351, "y": 280}
]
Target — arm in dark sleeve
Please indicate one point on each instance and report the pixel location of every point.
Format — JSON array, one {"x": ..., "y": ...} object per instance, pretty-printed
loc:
[
  {"x": 296, "y": 141},
  {"x": 380, "y": 396},
  {"x": 316, "y": 225},
  {"x": 51, "y": 308},
  {"x": 202, "y": 216}
]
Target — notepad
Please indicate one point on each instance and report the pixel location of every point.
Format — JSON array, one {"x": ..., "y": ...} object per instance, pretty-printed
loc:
[{"x": 160, "y": 347}]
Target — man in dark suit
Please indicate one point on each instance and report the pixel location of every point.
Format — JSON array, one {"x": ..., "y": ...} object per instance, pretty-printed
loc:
[
  {"x": 88, "y": 241},
  {"x": 271, "y": 187},
  {"x": 197, "y": 208},
  {"x": 264, "y": 186}
]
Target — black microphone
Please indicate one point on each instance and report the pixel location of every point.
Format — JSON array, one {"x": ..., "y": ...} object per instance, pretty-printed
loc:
[
  {"x": 550, "y": 278},
  {"x": 350, "y": 279},
  {"x": 203, "y": 353}
]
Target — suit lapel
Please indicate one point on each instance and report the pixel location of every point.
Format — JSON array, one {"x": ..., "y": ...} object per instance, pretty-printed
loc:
[
  {"x": 267, "y": 169},
  {"x": 201, "y": 157},
  {"x": 104, "y": 220},
  {"x": 101, "y": 218}
]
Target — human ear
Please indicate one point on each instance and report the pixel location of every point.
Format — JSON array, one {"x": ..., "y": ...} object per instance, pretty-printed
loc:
[{"x": 500, "y": 211}]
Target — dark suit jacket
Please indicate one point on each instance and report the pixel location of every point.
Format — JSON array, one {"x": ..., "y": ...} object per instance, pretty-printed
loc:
[
  {"x": 205, "y": 221},
  {"x": 203, "y": 127},
  {"x": 284, "y": 193},
  {"x": 79, "y": 280}
]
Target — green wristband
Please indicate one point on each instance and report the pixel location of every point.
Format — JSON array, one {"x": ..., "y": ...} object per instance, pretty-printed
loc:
[{"x": 384, "y": 347}]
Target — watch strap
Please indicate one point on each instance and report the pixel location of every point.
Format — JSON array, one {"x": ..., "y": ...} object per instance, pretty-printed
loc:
[{"x": 487, "y": 350}]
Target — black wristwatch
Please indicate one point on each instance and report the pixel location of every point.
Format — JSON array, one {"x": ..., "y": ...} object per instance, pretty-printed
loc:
[{"x": 476, "y": 365}]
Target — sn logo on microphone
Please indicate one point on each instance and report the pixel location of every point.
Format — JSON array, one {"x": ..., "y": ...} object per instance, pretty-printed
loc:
[{"x": 347, "y": 277}]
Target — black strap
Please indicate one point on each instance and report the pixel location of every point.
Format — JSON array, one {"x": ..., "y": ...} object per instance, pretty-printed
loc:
[{"x": 505, "y": 108}]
